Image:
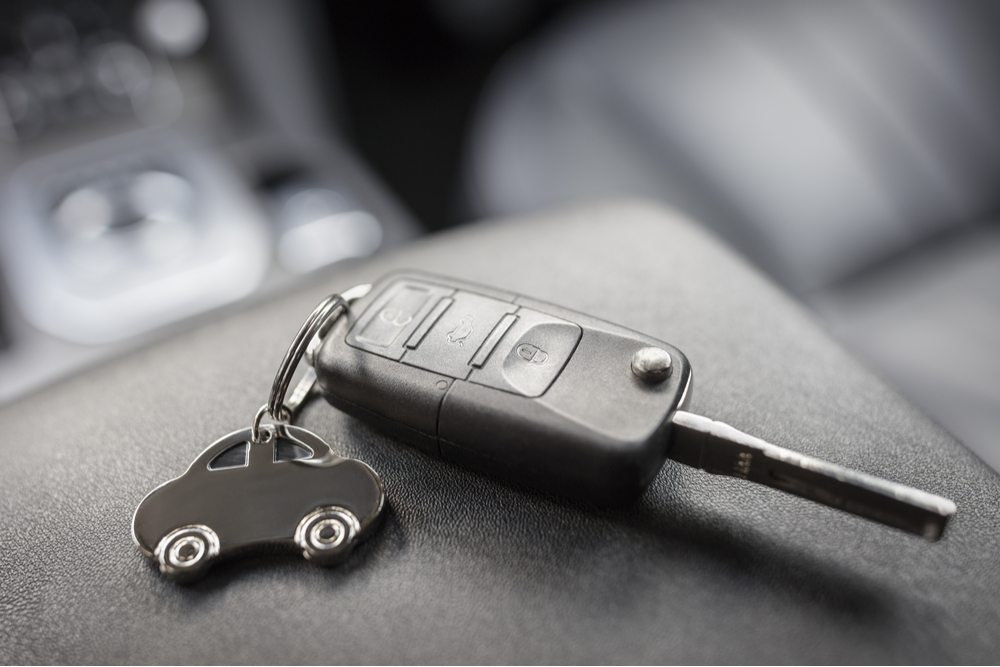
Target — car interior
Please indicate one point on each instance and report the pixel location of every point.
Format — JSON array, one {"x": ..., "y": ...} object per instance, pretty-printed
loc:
[{"x": 801, "y": 196}]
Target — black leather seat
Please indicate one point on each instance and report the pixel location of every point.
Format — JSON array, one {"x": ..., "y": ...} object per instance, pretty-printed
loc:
[
  {"x": 468, "y": 569},
  {"x": 850, "y": 149}
]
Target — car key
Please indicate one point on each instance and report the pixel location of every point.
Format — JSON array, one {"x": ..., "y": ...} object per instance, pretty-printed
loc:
[{"x": 558, "y": 400}]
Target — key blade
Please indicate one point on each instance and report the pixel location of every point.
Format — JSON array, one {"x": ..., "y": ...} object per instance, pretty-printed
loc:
[{"x": 721, "y": 449}]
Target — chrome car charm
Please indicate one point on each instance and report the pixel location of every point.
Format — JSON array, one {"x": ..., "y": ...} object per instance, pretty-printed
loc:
[{"x": 267, "y": 486}]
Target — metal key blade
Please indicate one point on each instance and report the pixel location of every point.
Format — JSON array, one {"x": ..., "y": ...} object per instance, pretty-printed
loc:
[{"x": 723, "y": 450}]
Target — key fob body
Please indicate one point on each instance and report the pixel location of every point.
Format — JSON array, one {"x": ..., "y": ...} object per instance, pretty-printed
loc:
[{"x": 506, "y": 385}]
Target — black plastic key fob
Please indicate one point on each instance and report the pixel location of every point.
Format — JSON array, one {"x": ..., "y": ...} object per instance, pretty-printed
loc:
[{"x": 507, "y": 385}]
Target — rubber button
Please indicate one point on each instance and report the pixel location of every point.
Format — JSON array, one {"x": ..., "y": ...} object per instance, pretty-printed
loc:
[
  {"x": 532, "y": 354},
  {"x": 391, "y": 320},
  {"x": 460, "y": 331}
]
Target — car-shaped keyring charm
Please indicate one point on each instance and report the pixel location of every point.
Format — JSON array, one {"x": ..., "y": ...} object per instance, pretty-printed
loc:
[
  {"x": 290, "y": 489},
  {"x": 264, "y": 487}
]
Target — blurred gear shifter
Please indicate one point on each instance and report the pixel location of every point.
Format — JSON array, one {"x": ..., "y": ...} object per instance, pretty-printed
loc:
[{"x": 113, "y": 239}]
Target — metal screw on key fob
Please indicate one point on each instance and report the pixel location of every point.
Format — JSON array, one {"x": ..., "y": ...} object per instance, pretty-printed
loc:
[{"x": 561, "y": 401}]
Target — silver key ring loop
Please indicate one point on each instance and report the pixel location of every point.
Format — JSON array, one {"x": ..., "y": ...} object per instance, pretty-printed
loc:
[
  {"x": 255, "y": 431},
  {"x": 318, "y": 322},
  {"x": 328, "y": 310}
]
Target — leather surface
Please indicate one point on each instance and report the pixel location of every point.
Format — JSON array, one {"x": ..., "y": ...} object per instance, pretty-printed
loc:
[
  {"x": 468, "y": 569},
  {"x": 820, "y": 138}
]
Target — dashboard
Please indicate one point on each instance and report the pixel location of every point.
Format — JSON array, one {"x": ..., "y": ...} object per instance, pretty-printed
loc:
[{"x": 152, "y": 173}]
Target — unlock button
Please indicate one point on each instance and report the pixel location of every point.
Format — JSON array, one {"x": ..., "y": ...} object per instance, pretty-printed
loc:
[{"x": 531, "y": 355}]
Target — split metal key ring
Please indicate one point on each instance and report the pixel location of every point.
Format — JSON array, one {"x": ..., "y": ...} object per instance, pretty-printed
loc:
[{"x": 309, "y": 335}]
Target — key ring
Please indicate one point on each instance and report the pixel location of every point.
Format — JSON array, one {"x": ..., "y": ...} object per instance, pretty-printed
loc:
[{"x": 317, "y": 324}]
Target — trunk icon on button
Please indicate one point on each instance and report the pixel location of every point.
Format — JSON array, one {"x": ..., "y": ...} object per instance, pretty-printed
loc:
[
  {"x": 531, "y": 354},
  {"x": 462, "y": 331}
]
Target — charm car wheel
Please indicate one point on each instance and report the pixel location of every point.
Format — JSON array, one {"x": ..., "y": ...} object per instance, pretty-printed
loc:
[
  {"x": 186, "y": 553},
  {"x": 327, "y": 535}
]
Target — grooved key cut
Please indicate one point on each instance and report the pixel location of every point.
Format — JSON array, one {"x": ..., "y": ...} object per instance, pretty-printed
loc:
[{"x": 561, "y": 401}]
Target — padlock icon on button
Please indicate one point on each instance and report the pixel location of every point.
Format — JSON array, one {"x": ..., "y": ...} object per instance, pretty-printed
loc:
[{"x": 531, "y": 354}]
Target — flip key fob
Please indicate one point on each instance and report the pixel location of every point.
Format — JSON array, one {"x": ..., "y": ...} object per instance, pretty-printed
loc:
[
  {"x": 507, "y": 385},
  {"x": 561, "y": 401}
]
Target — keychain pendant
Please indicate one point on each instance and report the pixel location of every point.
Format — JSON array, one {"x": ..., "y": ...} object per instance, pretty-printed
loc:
[
  {"x": 289, "y": 490},
  {"x": 267, "y": 487}
]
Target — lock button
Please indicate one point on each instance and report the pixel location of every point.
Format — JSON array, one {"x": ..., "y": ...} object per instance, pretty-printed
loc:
[{"x": 531, "y": 355}]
